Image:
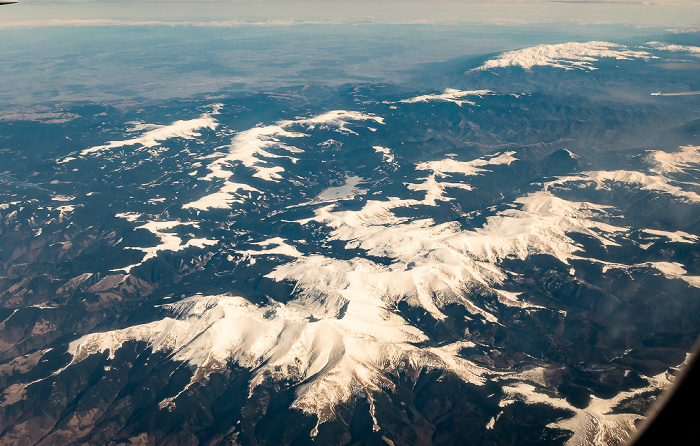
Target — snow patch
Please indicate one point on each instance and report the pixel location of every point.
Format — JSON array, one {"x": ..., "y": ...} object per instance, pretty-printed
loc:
[
  {"x": 450, "y": 95},
  {"x": 129, "y": 216},
  {"x": 594, "y": 424},
  {"x": 157, "y": 133},
  {"x": 435, "y": 190},
  {"x": 252, "y": 147},
  {"x": 663, "y": 163},
  {"x": 448, "y": 165},
  {"x": 670, "y": 270},
  {"x": 674, "y": 48},
  {"x": 386, "y": 153},
  {"x": 570, "y": 55},
  {"x": 223, "y": 198},
  {"x": 603, "y": 180},
  {"x": 168, "y": 240},
  {"x": 674, "y": 237},
  {"x": 280, "y": 247}
]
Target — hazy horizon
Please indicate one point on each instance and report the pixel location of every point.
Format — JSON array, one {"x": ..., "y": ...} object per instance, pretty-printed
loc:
[{"x": 684, "y": 15}]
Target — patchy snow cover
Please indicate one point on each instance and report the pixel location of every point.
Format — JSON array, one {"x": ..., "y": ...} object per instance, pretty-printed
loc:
[
  {"x": 675, "y": 48},
  {"x": 154, "y": 134},
  {"x": 450, "y": 95},
  {"x": 448, "y": 165},
  {"x": 668, "y": 269},
  {"x": 280, "y": 247},
  {"x": 168, "y": 240},
  {"x": 663, "y": 163},
  {"x": 570, "y": 55},
  {"x": 129, "y": 216},
  {"x": 386, "y": 153},
  {"x": 604, "y": 180},
  {"x": 435, "y": 190},
  {"x": 223, "y": 198},
  {"x": 257, "y": 147},
  {"x": 252, "y": 147},
  {"x": 595, "y": 424},
  {"x": 674, "y": 237},
  {"x": 511, "y": 299}
]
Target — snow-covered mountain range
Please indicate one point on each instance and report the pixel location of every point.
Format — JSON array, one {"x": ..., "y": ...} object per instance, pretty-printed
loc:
[{"x": 363, "y": 267}]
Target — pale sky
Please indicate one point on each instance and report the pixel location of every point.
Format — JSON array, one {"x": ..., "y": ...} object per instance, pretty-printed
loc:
[{"x": 672, "y": 14}]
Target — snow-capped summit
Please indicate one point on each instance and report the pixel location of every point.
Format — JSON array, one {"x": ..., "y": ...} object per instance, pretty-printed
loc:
[{"x": 569, "y": 56}]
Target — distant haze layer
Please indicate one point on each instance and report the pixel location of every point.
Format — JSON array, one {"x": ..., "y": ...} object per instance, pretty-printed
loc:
[{"x": 671, "y": 14}]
